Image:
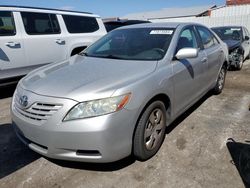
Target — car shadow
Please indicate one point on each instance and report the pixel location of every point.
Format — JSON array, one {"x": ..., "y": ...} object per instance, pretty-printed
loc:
[
  {"x": 188, "y": 66},
  {"x": 185, "y": 114},
  {"x": 103, "y": 167},
  {"x": 240, "y": 153},
  {"x": 3, "y": 56},
  {"x": 7, "y": 91},
  {"x": 14, "y": 155}
]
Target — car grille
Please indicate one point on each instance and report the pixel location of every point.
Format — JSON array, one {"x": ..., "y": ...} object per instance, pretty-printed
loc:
[{"x": 38, "y": 111}]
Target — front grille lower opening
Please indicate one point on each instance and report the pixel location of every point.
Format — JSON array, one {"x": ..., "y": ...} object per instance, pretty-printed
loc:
[
  {"x": 43, "y": 104},
  {"x": 88, "y": 152}
]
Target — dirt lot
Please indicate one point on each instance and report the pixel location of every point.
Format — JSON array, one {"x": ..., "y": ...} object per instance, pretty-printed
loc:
[{"x": 195, "y": 152}]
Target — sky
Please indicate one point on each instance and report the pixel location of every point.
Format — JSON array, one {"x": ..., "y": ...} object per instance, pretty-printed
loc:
[{"x": 112, "y": 8}]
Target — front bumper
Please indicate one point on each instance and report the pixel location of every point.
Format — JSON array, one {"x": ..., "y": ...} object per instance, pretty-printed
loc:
[
  {"x": 234, "y": 58},
  {"x": 105, "y": 138}
]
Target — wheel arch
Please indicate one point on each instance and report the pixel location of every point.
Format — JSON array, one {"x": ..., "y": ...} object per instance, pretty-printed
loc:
[
  {"x": 161, "y": 97},
  {"x": 158, "y": 97}
]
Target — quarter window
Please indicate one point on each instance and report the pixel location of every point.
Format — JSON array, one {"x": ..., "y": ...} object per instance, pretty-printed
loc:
[
  {"x": 40, "y": 23},
  {"x": 80, "y": 24},
  {"x": 208, "y": 39},
  {"x": 7, "y": 26}
]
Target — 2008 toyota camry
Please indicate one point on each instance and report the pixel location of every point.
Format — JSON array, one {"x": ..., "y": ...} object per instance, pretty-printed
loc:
[{"x": 117, "y": 97}]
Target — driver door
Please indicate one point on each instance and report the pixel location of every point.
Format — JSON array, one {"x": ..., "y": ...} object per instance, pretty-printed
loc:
[{"x": 188, "y": 73}]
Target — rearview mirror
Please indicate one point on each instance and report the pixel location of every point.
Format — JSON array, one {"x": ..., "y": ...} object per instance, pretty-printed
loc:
[
  {"x": 185, "y": 53},
  {"x": 246, "y": 37}
]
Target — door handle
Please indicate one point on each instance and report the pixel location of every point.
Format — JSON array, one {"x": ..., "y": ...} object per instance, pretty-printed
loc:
[
  {"x": 60, "y": 41},
  {"x": 204, "y": 60},
  {"x": 12, "y": 44}
]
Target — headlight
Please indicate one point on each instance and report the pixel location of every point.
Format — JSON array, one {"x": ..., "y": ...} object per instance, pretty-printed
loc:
[{"x": 97, "y": 107}]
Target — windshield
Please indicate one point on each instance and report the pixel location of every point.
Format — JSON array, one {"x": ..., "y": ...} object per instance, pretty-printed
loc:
[
  {"x": 229, "y": 33},
  {"x": 132, "y": 44}
]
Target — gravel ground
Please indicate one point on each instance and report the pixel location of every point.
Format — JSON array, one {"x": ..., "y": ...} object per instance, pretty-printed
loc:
[{"x": 195, "y": 152}]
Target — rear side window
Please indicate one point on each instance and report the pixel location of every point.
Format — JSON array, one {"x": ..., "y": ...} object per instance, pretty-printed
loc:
[
  {"x": 80, "y": 24},
  {"x": 208, "y": 39},
  {"x": 40, "y": 23},
  {"x": 7, "y": 26}
]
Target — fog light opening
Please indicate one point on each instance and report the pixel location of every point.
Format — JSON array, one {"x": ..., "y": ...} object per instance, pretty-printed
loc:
[{"x": 88, "y": 153}]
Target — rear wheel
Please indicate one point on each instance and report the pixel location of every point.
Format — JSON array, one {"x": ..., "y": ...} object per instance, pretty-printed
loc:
[
  {"x": 150, "y": 131},
  {"x": 220, "y": 80}
]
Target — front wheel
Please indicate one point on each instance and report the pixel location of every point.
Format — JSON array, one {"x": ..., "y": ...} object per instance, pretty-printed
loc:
[
  {"x": 240, "y": 62},
  {"x": 220, "y": 80},
  {"x": 150, "y": 131}
]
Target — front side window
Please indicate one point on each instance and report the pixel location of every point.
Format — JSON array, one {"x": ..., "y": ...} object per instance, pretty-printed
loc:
[
  {"x": 187, "y": 39},
  {"x": 80, "y": 24},
  {"x": 7, "y": 26},
  {"x": 40, "y": 23},
  {"x": 208, "y": 39},
  {"x": 133, "y": 44}
]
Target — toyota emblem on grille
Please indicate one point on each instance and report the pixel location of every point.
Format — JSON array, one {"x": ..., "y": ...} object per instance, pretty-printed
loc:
[{"x": 23, "y": 100}]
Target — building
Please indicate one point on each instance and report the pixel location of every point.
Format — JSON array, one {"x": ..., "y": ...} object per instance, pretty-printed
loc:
[
  {"x": 169, "y": 13},
  {"x": 237, "y": 2},
  {"x": 235, "y": 12}
]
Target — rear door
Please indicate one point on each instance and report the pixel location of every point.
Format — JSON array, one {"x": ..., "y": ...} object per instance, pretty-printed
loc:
[
  {"x": 189, "y": 74},
  {"x": 12, "y": 56},
  {"x": 214, "y": 53},
  {"x": 43, "y": 39}
]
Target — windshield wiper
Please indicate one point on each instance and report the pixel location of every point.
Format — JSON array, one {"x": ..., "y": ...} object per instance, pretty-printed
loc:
[
  {"x": 110, "y": 57},
  {"x": 83, "y": 54},
  {"x": 105, "y": 56}
]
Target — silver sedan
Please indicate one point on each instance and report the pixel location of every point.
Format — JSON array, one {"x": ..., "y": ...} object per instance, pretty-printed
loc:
[{"x": 117, "y": 97}]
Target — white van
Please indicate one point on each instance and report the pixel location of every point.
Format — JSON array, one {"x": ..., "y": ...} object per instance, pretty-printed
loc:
[{"x": 32, "y": 37}]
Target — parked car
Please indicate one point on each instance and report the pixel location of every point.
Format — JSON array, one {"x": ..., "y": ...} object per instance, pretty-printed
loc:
[
  {"x": 237, "y": 39},
  {"x": 117, "y": 97},
  {"x": 32, "y": 37},
  {"x": 111, "y": 25}
]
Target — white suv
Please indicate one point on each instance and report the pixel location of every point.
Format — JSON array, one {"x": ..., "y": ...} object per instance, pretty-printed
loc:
[{"x": 32, "y": 37}]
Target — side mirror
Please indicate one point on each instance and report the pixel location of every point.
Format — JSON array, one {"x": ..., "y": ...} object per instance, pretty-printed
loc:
[
  {"x": 185, "y": 53},
  {"x": 246, "y": 37}
]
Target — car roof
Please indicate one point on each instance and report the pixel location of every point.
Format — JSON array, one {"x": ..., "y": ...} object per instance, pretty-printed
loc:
[
  {"x": 127, "y": 22},
  {"x": 160, "y": 25},
  {"x": 227, "y": 26},
  {"x": 47, "y": 10}
]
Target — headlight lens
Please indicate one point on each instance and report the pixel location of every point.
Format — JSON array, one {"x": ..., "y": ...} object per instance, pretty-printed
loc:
[{"x": 97, "y": 107}]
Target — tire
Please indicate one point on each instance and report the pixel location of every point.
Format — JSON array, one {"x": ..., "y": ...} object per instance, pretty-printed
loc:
[
  {"x": 240, "y": 63},
  {"x": 220, "y": 80},
  {"x": 248, "y": 57},
  {"x": 150, "y": 131}
]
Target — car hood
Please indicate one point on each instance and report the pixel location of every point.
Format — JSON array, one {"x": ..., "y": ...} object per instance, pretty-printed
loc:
[
  {"x": 232, "y": 44},
  {"x": 81, "y": 78}
]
